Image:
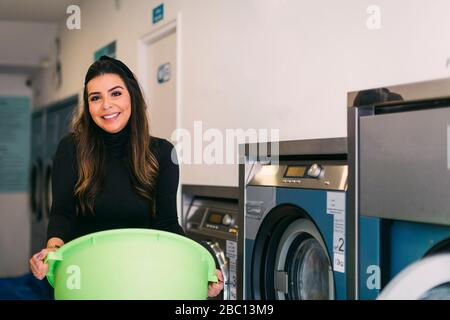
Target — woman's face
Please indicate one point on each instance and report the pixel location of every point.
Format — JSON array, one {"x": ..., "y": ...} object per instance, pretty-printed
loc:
[{"x": 109, "y": 102}]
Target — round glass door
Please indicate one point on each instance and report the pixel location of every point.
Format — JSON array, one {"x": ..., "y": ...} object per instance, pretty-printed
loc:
[
  {"x": 441, "y": 292},
  {"x": 290, "y": 260},
  {"x": 304, "y": 270},
  {"x": 427, "y": 279}
]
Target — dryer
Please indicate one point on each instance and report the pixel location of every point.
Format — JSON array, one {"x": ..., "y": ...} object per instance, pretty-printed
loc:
[
  {"x": 295, "y": 225},
  {"x": 400, "y": 155}
]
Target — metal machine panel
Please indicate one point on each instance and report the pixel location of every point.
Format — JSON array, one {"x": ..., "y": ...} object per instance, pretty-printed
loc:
[
  {"x": 405, "y": 165},
  {"x": 213, "y": 223},
  {"x": 398, "y": 188},
  {"x": 259, "y": 202},
  {"x": 307, "y": 176}
]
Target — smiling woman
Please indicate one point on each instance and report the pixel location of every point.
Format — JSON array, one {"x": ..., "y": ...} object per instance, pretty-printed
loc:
[
  {"x": 110, "y": 173},
  {"x": 115, "y": 119}
]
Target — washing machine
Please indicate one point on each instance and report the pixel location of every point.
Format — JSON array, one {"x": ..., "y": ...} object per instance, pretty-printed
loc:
[
  {"x": 58, "y": 123},
  {"x": 38, "y": 226},
  {"x": 400, "y": 153},
  {"x": 403, "y": 259},
  {"x": 213, "y": 223},
  {"x": 296, "y": 224}
]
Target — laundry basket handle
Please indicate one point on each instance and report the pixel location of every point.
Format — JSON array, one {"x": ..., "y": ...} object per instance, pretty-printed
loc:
[{"x": 52, "y": 258}]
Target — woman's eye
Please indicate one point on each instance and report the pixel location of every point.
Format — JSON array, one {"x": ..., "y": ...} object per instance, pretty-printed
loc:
[
  {"x": 116, "y": 93},
  {"x": 94, "y": 98}
]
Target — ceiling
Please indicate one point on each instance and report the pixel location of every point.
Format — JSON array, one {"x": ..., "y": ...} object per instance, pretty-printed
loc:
[
  {"x": 34, "y": 10},
  {"x": 31, "y": 26}
]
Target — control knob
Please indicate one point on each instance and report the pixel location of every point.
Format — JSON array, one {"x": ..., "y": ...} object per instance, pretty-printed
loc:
[
  {"x": 314, "y": 171},
  {"x": 227, "y": 220}
]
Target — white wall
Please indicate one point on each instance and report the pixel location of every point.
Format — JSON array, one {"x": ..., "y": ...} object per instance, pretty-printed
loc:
[
  {"x": 15, "y": 216},
  {"x": 282, "y": 64},
  {"x": 25, "y": 43}
]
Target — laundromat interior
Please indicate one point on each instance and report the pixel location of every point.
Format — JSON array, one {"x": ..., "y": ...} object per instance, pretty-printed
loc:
[{"x": 299, "y": 150}]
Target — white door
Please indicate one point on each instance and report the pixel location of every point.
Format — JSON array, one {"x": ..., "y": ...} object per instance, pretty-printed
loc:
[{"x": 161, "y": 91}]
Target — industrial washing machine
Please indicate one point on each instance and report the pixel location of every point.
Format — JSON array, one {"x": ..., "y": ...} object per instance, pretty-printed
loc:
[
  {"x": 58, "y": 122},
  {"x": 399, "y": 152},
  {"x": 48, "y": 125},
  {"x": 296, "y": 223},
  {"x": 210, "y": 218},
  {"x": 38, "y": 226}
]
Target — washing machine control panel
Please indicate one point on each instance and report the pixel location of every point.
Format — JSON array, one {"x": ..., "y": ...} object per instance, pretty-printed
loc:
[
  {"x": 220, "y": 221},
  {"x": 303, "y": 175},
  {"x": 295, "y": 174}
]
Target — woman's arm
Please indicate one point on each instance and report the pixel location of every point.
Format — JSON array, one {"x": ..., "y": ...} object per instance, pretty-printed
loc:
[
  {"x": 62, "y": 214},
  {"x": 166, "y": 190}
]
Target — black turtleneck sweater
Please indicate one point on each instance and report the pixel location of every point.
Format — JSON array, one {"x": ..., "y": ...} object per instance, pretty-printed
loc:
[{"x": 117, "y": 205}]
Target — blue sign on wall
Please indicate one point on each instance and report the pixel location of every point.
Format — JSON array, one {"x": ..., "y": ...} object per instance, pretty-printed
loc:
[
  {"x": 14, "y": 143},
  {"x": 158, "y": 13}
]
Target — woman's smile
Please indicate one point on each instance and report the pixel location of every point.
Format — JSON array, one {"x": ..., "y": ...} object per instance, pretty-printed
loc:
[{"x": 111, "y": 116}]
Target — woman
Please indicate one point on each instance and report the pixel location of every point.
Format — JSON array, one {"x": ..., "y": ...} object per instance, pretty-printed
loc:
[{"x": 110, "y": 173}]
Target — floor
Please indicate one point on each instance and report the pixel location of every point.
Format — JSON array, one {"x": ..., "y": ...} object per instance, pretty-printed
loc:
[{"x": 25, "y": 287}]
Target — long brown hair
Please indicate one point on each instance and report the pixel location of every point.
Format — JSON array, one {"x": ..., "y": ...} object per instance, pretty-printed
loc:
[{"x": 91, "y": 148}]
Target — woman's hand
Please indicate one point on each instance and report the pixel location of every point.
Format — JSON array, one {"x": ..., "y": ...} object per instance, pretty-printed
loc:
[
  {"x": 37, "y": 265},
  {"x": 214, "y": 288}
]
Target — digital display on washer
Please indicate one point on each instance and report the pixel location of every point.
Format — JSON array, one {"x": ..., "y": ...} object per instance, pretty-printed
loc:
[
  {"x": 215, "y": 218},
  {"x": 295, "y": 172}
]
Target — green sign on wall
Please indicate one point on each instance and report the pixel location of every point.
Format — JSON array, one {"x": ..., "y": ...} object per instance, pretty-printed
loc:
[{"x": 108, "y": 50}]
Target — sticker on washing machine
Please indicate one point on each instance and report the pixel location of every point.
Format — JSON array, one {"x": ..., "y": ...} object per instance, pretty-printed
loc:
[
  {"x": 231, "y": 249},
  {"x": 232, "y": 281},
  {"x": 335, "y": 202},
  {"x": 336, "y": 207},
  {"x": 231, "y": 254},
  {"x": 339, "y": 242},
  {"x": 339, "y": 262}
]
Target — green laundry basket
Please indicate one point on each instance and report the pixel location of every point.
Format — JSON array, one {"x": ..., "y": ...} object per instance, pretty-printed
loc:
[{"x": 131, "y": 264}]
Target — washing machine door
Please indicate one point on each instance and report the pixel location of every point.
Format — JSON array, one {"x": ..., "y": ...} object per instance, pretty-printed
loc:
[
  {"x": 222, "y": 263},
  {"x": 427, "y": 279},
  {"x": 36, "y": 194},
  {"x": 290, "y": 259}
]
